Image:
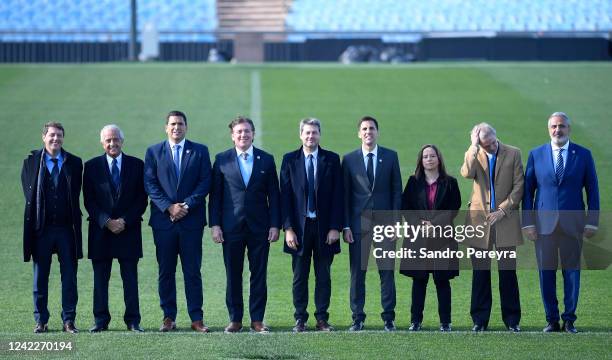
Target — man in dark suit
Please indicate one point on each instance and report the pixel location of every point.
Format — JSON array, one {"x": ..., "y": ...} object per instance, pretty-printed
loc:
[
  {"x": 372, "y": 181},
  {"x": 51, "y": 181},
  {"x": 312, "y": 217},
  {"x": 554, "y": 217},
  {"x": 244, "y": 210},
  {"x": 177, "y": 179},
  {"x": 115, "y": 199}
]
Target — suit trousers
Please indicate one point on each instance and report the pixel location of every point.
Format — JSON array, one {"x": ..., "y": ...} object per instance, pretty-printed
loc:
[
  {"x": 257, "y": 247},
  {"x": 301, "y": 271},
  {"x": 359, "y": 252},
  {"x": 419, "y": 290},
  {"x": 129, "y": 275},
  {"x": 55, "y": 239},
  {"x": 549, "y": 248},
  {"x": 482, "y": 300},
  {"x": 186, "y": 243}
]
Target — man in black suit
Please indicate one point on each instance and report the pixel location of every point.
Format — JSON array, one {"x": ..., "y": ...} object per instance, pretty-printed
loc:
[
  {"x": 51, "y": 181},
  {"x": 312, "y": 217},
  {"x": 372, "y": 181},
  {"x": 177, "y": 179},
  {"x": 113, "y": 190},
  {"x": 244, "y": 213}
]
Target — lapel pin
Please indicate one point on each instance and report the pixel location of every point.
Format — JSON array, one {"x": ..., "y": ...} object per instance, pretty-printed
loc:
[
  {"x": 258, "y": 157},
  {"x": 379, "y": 160},
  {"x": 573, "y": 151},
  {"x": 263, "y": 172},
  {"x": 188, "y": 151}
]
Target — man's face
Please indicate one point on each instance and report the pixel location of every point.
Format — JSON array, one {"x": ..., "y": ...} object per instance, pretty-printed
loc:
[
  {"x": 176, "y": 129},
  {"x": 112, "y": 143},
  {"x": 558, "y": 130},
  {"x": 242, "y": 136},
  {"x": 368, "y": 133},
  {"x": 310, "y": 136},
  {"x": 53, "y": 139},
  {"x": 489, "y": 143}
]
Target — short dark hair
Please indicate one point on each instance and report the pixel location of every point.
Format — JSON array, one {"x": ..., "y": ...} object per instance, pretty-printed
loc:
[
  {"x": 176, "y": 113},
  {"x": 53, "y": 124},
  {"x": 367, "y": 118},
  {"x": 419, "y": 172},
  {"x": 241, "y": 120}
]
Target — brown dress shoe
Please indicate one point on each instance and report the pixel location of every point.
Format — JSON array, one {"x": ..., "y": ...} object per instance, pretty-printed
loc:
[
  {"x": 199, "y": 326},
  {"x": 70, "y": 328},
  {"x": 40, "y": 328},
  {"x": 300, "y": 326},
  {"x": 233, "y": 327},
  {"x": 259, "y": 327},
  {"x": 167, "y": 325},
  {"x": 323, "y": 325}
]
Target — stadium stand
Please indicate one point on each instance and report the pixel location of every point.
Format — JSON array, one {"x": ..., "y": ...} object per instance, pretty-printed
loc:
[{"x": 104, "y": 20}]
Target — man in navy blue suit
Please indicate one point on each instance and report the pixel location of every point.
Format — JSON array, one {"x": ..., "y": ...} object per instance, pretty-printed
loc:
[
  {"x": 554, "y": 216},
  {"x": 244, "y": 213},
  {"x": 113, "y": 190},
  {"x": 312, "y": 217},
  {"x": 177, "y": 179}
]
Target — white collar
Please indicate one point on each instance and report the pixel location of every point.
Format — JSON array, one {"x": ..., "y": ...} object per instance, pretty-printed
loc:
[
  {"x": 315, "y": 154},
  {"x": 182, "y": 144},
  {"x": 119, "y": 158},
  {"x": 365, "y": 153},
  {"x": 556, "y": 148},
  {"x": 249, "y": 151}
]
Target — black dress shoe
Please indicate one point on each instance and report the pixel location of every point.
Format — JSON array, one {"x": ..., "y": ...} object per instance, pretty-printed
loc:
[
  {"x": 479, "y": 328},
  {"x": 70, "y": 327},
  {"x": 135, "y": 328},
  {"x": 357, "y": 326},
  {"x": 568, "y": 326},
  {"x": 390, "y": 325},
  {"x": 40, "y": 328},
  {"x": 98, "y": 328},
  {"x": 415, "y": 326},
  {"x": 552, "y": 327},
  {"x": 445, "y": 327},
  {"x": 514, "y": 328},
  {"x": 300, "y": 326},
  {"x": 323, "y": 325}
]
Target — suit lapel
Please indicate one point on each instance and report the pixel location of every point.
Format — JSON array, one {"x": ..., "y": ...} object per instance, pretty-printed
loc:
[
  {"x": 501, "y": 155},
  {"x": 185, "y": 160},
  {"x": 168, "y": 156},
  {"x": 379, "y": 166},
  {"x": 551, "y": 163},
  {"x": 300, "y": 170},
  {"x": 484, "y": 162},
  {"x": 320, "y": 168},
  {"x": 571, "y": 161},
  {"x": 256, "y": 166},
  {"x": 107, "y": 184},
  {"x": 440, "y": 193}
]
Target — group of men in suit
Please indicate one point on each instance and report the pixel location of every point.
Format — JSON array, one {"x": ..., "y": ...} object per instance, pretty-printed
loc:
[{"x": 316, "y": 200}]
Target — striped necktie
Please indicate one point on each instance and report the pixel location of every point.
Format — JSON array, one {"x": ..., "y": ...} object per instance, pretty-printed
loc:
[{"x": 559, "y": 168}]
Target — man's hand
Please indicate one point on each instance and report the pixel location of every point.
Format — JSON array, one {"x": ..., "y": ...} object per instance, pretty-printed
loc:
[
  {"x": 291, "y": 239},
  {"x": 273, "y": 234},
  {"x": 217, "y": 234},
  {"x": 347, "y": 235},
  {"x": 177, "y": 211},
  {"x": 589, "y": 232},
  {"x": 475, "y": 135},
  {"x": 530, "y": 233},
  {"x": 116, "y": 226},
  {"x": 332, "y": 236},
  {"x": 495, "y": 216}
]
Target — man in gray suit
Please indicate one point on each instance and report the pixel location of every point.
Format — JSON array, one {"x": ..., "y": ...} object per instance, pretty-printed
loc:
[{"x": 372, "y": 181}]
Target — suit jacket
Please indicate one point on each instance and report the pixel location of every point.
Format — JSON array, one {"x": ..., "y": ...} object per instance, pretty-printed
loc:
[
  {"x": 103, "y": 203},
  {"x": 33, "y": 191},
  {"x": 414, "y": 202},
  {"x": 544, "y": 194},
  {"x": 165, "y": 189},
  {"x": 508, "y": 194},
  {"x": 328, "y": 194},
  {"x": 232, "y": 203},
  {"x": 358, "y": 196}
]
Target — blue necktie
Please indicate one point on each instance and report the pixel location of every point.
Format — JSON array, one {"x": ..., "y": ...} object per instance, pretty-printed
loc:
[
  {"x": 311, "y": 185},
  {"x": 55, "y": 172},
  {"x": 115, "y": 174},
  {"x": 492, "y": 179},
  {"x": 559, "y": 169},
  {"x": 177, "y": 161},
  {"x": 246, "y": 175}
]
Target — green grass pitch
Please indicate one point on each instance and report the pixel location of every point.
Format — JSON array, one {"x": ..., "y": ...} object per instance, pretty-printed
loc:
[{"x": 415, "y": 104}]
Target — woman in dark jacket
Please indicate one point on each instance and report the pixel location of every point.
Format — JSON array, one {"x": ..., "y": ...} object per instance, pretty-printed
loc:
[{"x": 431, "y": 197}]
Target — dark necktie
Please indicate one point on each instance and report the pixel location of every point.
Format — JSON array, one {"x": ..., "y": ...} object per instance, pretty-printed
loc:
[
  {"x": 492, "y": 161},
  {"x": 559, "y": 169},
  {"x": 115, "y": 174},
  {"x": 370, "y": 169},
  {"x": 177, "y": 161},
  {"x": 55, "y": 172},
  {"x": 311, "y": 184}
]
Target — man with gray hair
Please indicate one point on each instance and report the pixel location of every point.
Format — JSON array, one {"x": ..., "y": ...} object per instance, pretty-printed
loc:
[
  {"x": 554, "y": 216},
  {"x": 497, "y": 173},
  {"x": 312, "y": 217},
  {"x": 115, "y": 198}
]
